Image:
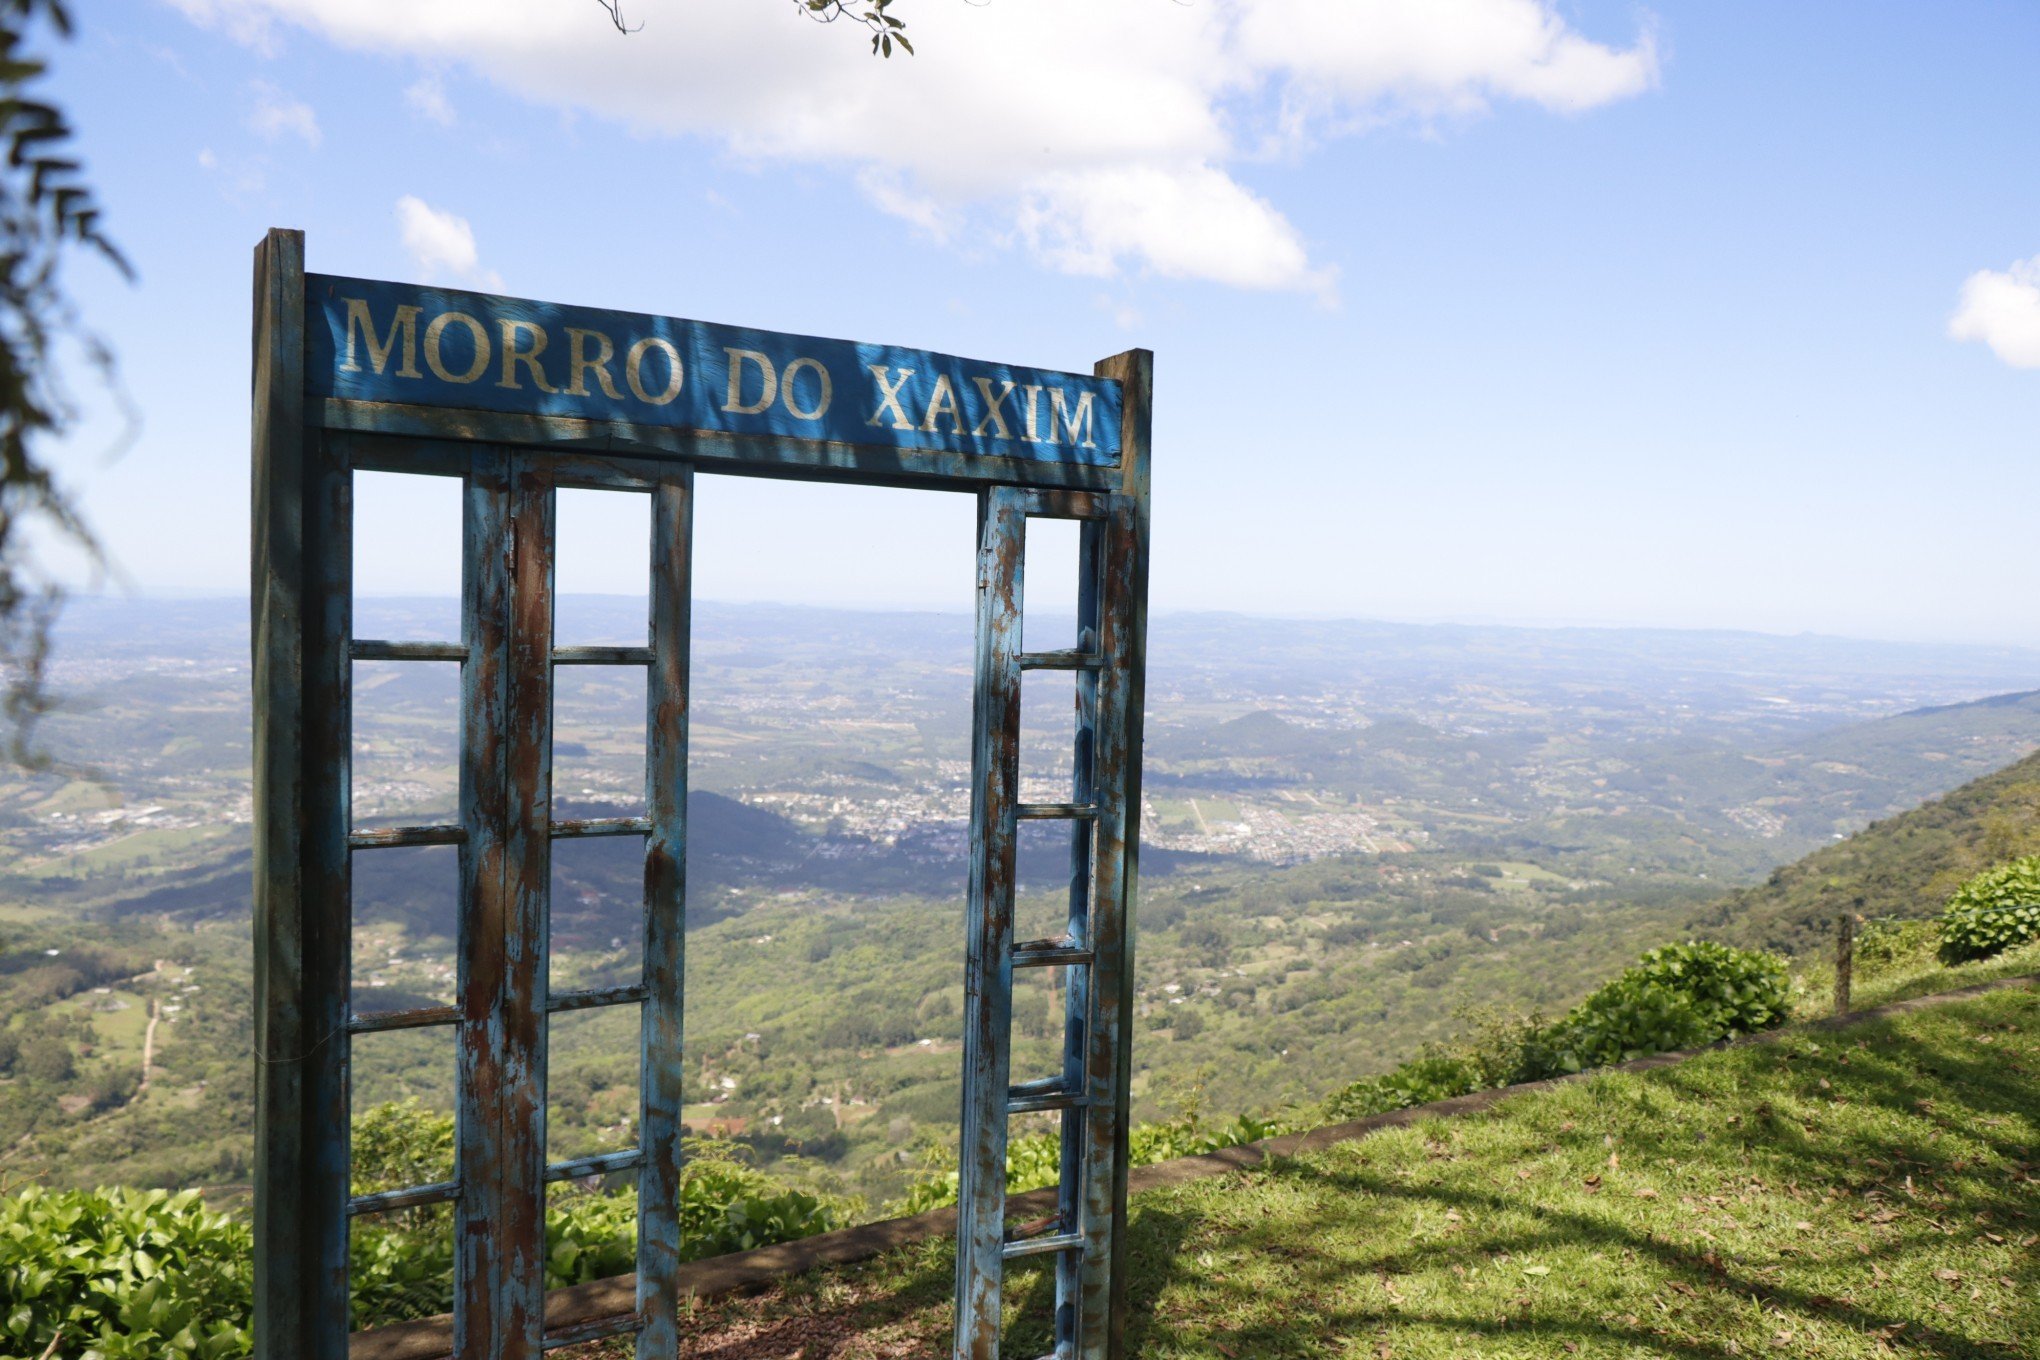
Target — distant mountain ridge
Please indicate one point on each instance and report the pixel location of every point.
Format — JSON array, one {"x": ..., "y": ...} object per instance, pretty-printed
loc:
[{"x": 2024, "y": 698}]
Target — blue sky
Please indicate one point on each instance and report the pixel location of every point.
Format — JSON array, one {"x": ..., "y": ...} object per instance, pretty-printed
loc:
[{"x": 1464, "y": 309}]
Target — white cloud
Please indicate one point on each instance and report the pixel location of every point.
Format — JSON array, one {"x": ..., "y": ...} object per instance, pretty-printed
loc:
[
  {"x": 1105, "y": 138},
  {"x": 427, "y": 95},
  {"x": 1189, "y": 222},
  {"x": 2002, "y": 309},
  {"x": 251, "y": 25},
  {"x": 276, "y": 115},
  {"x": 890, "y": 193},
  {"x": 442, "y": 244},
  {"x": 1430, "y": 56}
]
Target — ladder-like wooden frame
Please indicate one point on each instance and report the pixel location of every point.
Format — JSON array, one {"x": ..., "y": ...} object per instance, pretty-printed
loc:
[
  {"x": 1095, "y": 949},
  {"x": 306, "y": 449}
]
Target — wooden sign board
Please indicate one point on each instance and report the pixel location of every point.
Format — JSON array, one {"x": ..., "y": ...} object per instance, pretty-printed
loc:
[{"x": 403, "y": 345}]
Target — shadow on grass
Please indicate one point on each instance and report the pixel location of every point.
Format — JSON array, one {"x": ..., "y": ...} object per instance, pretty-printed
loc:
[
  {"x": 1850, "y": 1173},
  {"x": 1905, "y": 1118}
]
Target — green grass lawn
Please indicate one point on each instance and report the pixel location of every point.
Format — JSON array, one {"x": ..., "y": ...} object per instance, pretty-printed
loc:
[
  {"x": 1922, "y": 974},
  {"x": 1863, "y": 1192}
]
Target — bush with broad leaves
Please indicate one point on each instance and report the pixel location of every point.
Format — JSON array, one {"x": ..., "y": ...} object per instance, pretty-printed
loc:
[{"x": 1992, "y": 912}]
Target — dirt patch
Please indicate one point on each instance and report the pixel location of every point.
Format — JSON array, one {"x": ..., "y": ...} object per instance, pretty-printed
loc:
[{"x": 831, "y": 1323}]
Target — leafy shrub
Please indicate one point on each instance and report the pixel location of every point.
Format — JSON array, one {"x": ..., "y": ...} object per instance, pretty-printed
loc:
[
  {"x": 123, "y": 1275},
  {"x": 727, "y": 1205},
  {"x": 402, "y": 1263},
  {"x": 1885, "y": 946},
  {"x": 1629, "y": 1018},
  {"x": 400, "y": 1267},
  {"x": 147, "y": 1275},
  {"x": 1505, "y": 1047},
  {"x": 591, "y": 1236},
  {"x": 1737, "y": 991},
  {"x": 1416, "y": 1082},
  {"x": 1498, "y": 1048},
  {"x": 1677, "y": 996},
  {"x": 1035, "y": 1159},
  {"x": 1992, "y": 912},
  {"x": 400, "y": 1143},
  {"x": 1189, "y": 1136}
]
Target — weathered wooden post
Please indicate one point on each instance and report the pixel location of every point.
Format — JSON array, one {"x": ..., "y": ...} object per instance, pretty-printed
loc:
[{"x": 1845, "y": 959}]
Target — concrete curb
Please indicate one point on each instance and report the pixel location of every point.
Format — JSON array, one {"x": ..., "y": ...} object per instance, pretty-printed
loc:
[{"x": 581, "y": 1305}]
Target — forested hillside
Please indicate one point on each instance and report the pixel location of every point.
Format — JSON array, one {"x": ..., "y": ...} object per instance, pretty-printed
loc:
[
  {"x": 1354, "y": 835},
  {"x": 1903, "y": 866}
]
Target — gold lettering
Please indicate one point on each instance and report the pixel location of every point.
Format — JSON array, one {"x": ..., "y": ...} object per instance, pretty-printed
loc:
[
  {"x": 513, "y": 356},
  {"x": 437, "y": 364},
  {"x": 768, "y": 386},
  {"x": 889, "y": 397},
  {"x": 828, "y": 392},
  {"x": 405, "y": 323},
  {"x": 1080, "y": 423},
  {"x": 943, "y": 402},
  {"x": 994, "y": 420},
  {"x": 1033, "y": 435},
  {"x": 579, "y": 365},
  {"x": 633, "y": 370}
]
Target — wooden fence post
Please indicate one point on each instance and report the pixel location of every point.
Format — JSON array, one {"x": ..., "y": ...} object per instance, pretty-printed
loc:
[{"x": 1845, "y": 959}]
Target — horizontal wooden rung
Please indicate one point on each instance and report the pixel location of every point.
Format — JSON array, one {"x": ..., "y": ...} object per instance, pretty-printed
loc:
[
  {"x": 1050, "y": 954},
  {"x": 1061, "y": 504},
  {"x": 593, "y": 1330},
  {"x": 600, "y": 1164},
  {"x": 389, "y": 837},
  {"x": 1042, "y": 1246},
  {"x": 1035, "y": 1227},
  {"x": 595, "y": 996},
  {"x": 1041, "y": 812},
  {"x": 1061, "y": 661},
  {"x": 374, "y": 649},
  {"x": 379, "y": 1022},
  {"x": 602, "y": 656},
  {"x": 1032, "y": 1097},
  {"x": 438, "y": 1193},
  {"x": 601, "y": 826}
]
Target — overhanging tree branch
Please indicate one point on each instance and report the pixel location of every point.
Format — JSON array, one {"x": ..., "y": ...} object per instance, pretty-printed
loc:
[
  {"x": 45, "y": 211},
  {"x": 886, "y": 30},
  {"x": 614, "y": 8}
]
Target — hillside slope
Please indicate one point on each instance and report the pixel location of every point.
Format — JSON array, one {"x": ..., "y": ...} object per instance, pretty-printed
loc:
[
  {"x": 1839, "y": 1196},
  {"x": 1902, "y": 866}
]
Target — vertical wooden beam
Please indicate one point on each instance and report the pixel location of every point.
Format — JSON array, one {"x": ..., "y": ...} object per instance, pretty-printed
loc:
[
  {"x": 988, "y": 967},
  {"x": 479, "y": 1265},
  {"x": 1081, "y": 1033},
  {"x": 1845, "y": 959},
  {"x": 277, "y": 628},
  {"x": 328, "y": 878},
  {"x": 300, "y": 987},
  {"x": 1106, "y": 1121},
  {"x": 527, "y": 945},
  {"x": 1135, "y": 371},
  {"x": 662, "y": 1066}
]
